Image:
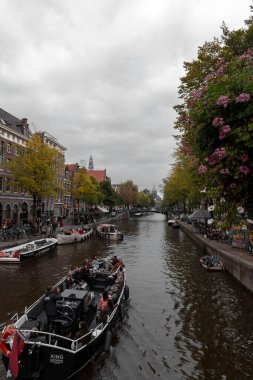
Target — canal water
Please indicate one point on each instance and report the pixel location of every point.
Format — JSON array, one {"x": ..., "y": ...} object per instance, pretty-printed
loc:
[{"x": 182, "y": 322}]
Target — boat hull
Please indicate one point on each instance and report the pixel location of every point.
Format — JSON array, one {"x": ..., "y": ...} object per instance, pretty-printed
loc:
[
  {"x": 109, "y": 232},
  {"x": 51, "y": 355},
  {"x": 57, "y": 362},
  {"x": 218, "y": 267},
  {"x": 73, "y": 238},
  {"x": 25, "y": 252}
]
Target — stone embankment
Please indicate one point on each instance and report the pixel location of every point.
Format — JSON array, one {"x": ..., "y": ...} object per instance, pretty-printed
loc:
[
  {"x": 13, "y": 243},
  {"x": 238, "y": 262}
]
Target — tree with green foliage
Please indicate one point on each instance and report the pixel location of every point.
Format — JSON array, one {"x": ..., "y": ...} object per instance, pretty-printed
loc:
[
  {"x": 37, "y": 169},
  {"x": 181, "y": 187},
  {"x": 215, "y": 118},
  {"x": 128, "y": 191},
  {"x": 143, "y": 200},
  {"x": 110, "y": 197},
  {"x": 152, "y": 202}
]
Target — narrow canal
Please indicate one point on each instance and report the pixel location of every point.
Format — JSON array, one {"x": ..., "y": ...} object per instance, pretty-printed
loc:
[{"x": 183, "y": 322}]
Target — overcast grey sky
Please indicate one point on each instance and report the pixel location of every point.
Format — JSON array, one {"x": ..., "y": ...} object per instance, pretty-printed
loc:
[{"x": 102, "y": 76}]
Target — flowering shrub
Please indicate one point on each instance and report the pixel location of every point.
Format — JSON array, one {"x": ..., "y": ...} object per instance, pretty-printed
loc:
[
  {"x": 242, "y": 98},
  {"x": 218, "y": 122},
  {"x": 202, "y": 169},
  {"x": 223, "y": 101},
  {"x": 221, "y": 113}
]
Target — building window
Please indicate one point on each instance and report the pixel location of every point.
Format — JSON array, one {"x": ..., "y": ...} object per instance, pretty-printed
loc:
[
  {"x": 8, "y": 184},
  {"x": 8, "y": 212},
  {"x": 1, "y": 153},
  {"x": 8, "y": 148},
  {"x": 15, "y": 188},
  {"x": 16, "y": 151},
  {"x": 1, "y": 183}
]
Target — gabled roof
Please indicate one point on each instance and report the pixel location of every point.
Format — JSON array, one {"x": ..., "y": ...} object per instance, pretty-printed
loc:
[
  {"x": 71, "y": 168},
  {"x": 14, "y": 123},
  {"x": 98, "y": 174}
]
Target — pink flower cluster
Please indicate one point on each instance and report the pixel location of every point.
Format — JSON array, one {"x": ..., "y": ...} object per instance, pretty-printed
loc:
[
  {"x": 222, "y": 100},
  {"x": 224, "y": 130},
  {"x": 186, "y": 149},
  {"x": 209, "y": 77},
  {"x": 196, "y": 95},
  {"x": 216, "y": 156},
  {"x": 244, "y": 169},
  {"x": 247, "y": 56},
  {"x": 244, "y": 157},
  {"x": 202, "y": 169},
  {"x": 242, "y": 98},
  {"x": 220, "y": 62},
  {"x": 219, "y": 72},
  {"x": 232, "y": 185},
  {"x": 218, "y": 122}
]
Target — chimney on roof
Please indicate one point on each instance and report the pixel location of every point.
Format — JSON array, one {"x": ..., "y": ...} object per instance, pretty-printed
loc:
[{"x": 24, "y": 127}]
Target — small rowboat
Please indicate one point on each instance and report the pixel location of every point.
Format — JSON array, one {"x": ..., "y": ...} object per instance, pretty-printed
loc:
[{"x": 212, "y": 263}]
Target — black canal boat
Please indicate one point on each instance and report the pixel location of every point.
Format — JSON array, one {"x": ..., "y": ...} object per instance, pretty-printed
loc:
[{"x": 50, "y": 351}]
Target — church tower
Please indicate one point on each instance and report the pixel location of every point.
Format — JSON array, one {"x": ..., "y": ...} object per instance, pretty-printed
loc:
[{"x": 91, "y": 165}]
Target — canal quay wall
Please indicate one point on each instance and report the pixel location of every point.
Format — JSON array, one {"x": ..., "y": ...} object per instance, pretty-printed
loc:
[
  {"x": 238, "y": 262},
  {"x": 121, "y": 216}
]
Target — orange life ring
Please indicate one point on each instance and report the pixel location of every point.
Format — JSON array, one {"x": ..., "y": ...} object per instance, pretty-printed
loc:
[{"x": 4, "y": 337}]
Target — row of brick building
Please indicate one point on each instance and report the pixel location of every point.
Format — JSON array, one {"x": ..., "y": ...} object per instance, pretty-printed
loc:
[{"x": 15, "y": 203}]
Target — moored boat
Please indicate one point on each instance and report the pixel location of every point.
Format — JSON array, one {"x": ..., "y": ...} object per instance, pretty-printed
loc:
[
  {"x": 212, "y": 263},
  {"x": 52, "y": 349},
  {"x": 27, "y": 251},
  {"x": 76, "y": 236},
  {"x": 109, "y": 231},
  {"x": 171, "y": 222}
]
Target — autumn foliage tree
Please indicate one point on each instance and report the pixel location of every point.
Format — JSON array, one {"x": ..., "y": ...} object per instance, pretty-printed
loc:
[
  {"x": 37, "y": 169},
  {"x": 128, "y": 192},
  {"x": 85, "y": 188}
]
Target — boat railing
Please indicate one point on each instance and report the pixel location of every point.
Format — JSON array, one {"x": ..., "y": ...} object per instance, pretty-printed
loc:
[
  {"x": 48, "y": 339},
  {"x": 27, "y": 309},
  {"x": 15, "y": 317}
]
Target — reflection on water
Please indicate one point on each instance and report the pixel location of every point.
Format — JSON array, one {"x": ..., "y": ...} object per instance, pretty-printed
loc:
[{"x": 184, "y": 322}]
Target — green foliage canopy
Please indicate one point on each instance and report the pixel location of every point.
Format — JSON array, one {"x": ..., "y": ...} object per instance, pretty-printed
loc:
[{"x": 216, "y": 117}]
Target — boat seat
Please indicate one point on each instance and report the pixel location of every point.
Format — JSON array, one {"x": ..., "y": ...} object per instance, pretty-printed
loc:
[{"x": 41, "y": 319}]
